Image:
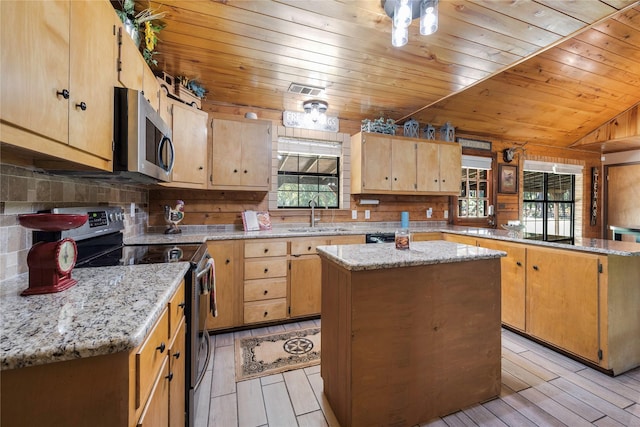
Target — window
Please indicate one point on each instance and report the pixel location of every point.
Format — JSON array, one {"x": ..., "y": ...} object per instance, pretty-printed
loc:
[
  {"x": 475, "y": 189},
  {"x": 473, "y": 201},
  {"x": 302, "y": 177},
  {"x": 549, "y": 206}
]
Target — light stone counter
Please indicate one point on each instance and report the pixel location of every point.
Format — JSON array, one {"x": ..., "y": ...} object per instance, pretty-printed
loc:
[
  {"x": 385, "y": 255},
  {"x": 600, "y": 246},
  {"x": 110, "y": 309}
]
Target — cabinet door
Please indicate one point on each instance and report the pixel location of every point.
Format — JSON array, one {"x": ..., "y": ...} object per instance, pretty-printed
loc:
[
  {"x": 305, "y": 285},
  {"x": 428, "y": 167},
  {"x": 256, "y": 154},
  {"x": 450, "y": 161},
  {"x": 190, "y": 142},
  {"x": 512, "y": 268},
  {"x": 92, "y": 73},
  {"x": 129, "y": 60},
  {"x": 562, "y": 300},
  {"x": 35, "y": 66},
  {"x": 150, "y": 87},
  {"x": 423, "y": 237},
  {"x": 156, "y": 412},
  {"x": 228, "y": 261},
  {"x": 177, "y": 358},
  {"x": 377, "y": 163},
  {"x": 226, "y": 153},
  {"x": 403, "y": 159}
]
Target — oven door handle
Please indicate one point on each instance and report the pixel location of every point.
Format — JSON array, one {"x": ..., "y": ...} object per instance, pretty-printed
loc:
[{"x": 208, "y": 271}]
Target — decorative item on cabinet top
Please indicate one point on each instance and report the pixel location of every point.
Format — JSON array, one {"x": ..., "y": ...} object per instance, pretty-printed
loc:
[
  {"x": 412, "y": 128},
  {"x": 314, "y": 117},
  {"x": 147, "y": 21},
  {"x": 387, "y": 127}
]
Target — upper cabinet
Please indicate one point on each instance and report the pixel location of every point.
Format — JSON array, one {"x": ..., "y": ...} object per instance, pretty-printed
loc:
[
  {"x": 130, "y": 64},
  {"x": 57, "y": 87},
  {"x": 385, "y": 164},
  {"x": 189, "y": 130},
  {"x": 240, "y": 155}
]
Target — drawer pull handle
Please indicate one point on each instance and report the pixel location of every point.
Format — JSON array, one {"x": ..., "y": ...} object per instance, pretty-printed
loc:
[
  {"x": 266, "y": 250},
  {"x": 64, "y": 93},
  {"x": 161, "y": 347},
  {"x": 519, "y": 264},
  {"x": 82, "y": 106},
  {"x": 266, "y": 291},
  {"x": 245, "y": 171},
  {"x": 235, "y": 171},
  {"x": 266, "y": 313},
  {"x": 308, "y": 248},
  {"x": 176, "y": 355},
  {"x": 170, "y": 376},
  {"x": 182, "y": 305},
  {"x": 227, "y": 261},
  {"x": 266, "y": 270},
  {"x": 535, "y": 267}
]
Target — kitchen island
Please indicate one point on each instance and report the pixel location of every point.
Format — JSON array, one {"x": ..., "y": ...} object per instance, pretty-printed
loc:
[{"x": 409, "y": 335}]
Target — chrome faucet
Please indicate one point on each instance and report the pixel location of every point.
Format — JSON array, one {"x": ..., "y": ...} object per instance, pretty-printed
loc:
[{"x": 312, "y": 204}]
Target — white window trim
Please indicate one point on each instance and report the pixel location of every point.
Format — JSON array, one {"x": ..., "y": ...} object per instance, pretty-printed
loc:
[{"x": 557, "y": 168}]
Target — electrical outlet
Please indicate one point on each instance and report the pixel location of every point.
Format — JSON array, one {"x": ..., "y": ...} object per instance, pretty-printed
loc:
[
  {"x": 429, "y": 212},
  {"x": 133, "y": 210},
  {"x": 367, "y": 214},
  {"x": 446, "y": 214},
  {"x": 354, "y": 214}
]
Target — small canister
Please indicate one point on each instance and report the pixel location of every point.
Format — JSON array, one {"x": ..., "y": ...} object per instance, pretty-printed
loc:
[
  {"x": 404, "y": 220},
  {"x": 403, "y": 239}
]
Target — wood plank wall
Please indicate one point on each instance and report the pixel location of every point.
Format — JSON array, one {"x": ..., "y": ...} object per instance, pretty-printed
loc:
[{"x": 207, "y": 207}]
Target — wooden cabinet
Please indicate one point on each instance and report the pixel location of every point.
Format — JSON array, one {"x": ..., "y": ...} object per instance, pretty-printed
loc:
[
  {"x": 513, "y": 289},
  {"x": 189, "y": 131},
  {"x": 265, "y": 274},
  {"x": 387, "y": 164},
  {"x": 466, "y": 240},
  {"x": 228, "y": 258},
  {"x": 563, "y": 299},
  {"x": 144, "y": 386},
  {"x": 240, "y": 155},
  {"x": 305, "y": 277},
  {"x": 150, "y": 86},
  {"x": 422, "y": 237},
  {"x": 130, "y": 63},
  {"x": 439, "y": 167},
  {"x": 57, "y": 87}
]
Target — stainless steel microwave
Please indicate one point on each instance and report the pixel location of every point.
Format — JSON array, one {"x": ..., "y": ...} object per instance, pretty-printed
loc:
[{"x": 143, "y": 150}]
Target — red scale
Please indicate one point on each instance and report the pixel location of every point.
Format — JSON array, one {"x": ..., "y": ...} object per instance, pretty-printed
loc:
[{"x": 51, "y": 263}]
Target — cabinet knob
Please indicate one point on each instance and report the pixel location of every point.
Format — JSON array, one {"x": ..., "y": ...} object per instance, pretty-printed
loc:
[
  {"x": 245, "y": 171},
  {"x": 435, "y": 180},
  {"x": 535, "y": 267},
  {"x": 201, "y": 168},
  {"x": 235, "y": 171},
  {"x": 227, "y": 261},
  {"x": 161, "y": 347},
  {"x": 266, "y": 291},
  {"x": 266, "y": 270},
  {"x": 444, "y": 180},
  {"x": 386, "y": 178},
  {"x": 82, "y": 106},
  {"x": 182, "y": 305},
  {"x": 266, "y": 250},
  {"x": 308, "y": 248},
  {"x": 170, "y": 376},
  {"x": 519, "y": 264},
  {"x": 395, "y": 179},
  {"x": 176, "y": 355},
  {"x": 266, "y": 313},
  {"x": 64, "y": 93}
]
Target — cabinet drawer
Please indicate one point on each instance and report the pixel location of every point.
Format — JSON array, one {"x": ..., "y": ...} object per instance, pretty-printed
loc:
[
  {"x": 265, "y": 248},
  {"x": 264, "y": 268},
  {"x": 263, "y": 311},
  {"x": 347, "y": 240},
  {"x": 150, "y": 356},
  {"x": 176, "y": 310},
  {"x": 306, "y": 246},
  {"x": 262, "y": 289}
]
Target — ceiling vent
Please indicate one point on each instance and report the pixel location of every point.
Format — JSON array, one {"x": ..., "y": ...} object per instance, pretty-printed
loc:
[{"x": 305, "y": 89}]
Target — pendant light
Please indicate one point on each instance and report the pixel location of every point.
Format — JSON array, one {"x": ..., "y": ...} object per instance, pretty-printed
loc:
[{"x": 402, "y": 12}]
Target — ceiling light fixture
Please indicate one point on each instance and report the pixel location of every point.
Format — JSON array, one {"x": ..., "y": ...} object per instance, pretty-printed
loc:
[
  {"x": 402, "y": 12},
  {"x": 316, "y": 110}
]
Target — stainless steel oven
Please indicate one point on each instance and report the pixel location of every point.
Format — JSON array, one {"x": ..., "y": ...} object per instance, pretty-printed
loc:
[{"x": 100, "y": 243}]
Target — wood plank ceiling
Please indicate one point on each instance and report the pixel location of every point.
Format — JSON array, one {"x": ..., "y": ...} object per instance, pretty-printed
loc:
[{"x": 544, "y": 71}]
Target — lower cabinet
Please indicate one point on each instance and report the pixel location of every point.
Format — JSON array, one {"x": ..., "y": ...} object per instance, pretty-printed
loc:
[
  {"x": 228, "y": 258},
  {"x": 141, "y": 387},
  {"x": 513, "y": 287}
]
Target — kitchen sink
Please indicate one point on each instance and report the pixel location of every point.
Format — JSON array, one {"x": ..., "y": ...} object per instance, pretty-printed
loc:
[{"x": 317, "y": 229}]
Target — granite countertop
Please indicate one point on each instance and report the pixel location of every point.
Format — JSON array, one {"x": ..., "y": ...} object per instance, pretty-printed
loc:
[
  {"x": 385, "y": 255},
  {"x": 600, "y": 246},
  {"x": 110, "y": 309}
]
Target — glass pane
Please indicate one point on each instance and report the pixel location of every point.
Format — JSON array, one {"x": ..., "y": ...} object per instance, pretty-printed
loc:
[
  {"x": 482, "y": 208},
  {"x": 473, "y": 208},
  {"x": 328, "y": 165},
  {"x": 558, "y": 221},
  {"x": 309, "y": 183},
  {"x": 464, "y": 174},
  {"x": 532, "y": 218},
  {"x": 473, "y": 174},
  {"x": 308, "y": 164},
  {"x": 462, "y": 208},
  {"x": 288, "y": 162},
  {"x": 287, "y": 198},
  {"x": 473, "y": 189},
  {"x": 463, "y": 189},
  {"x": 559, "y": 187},
  {"x": 287, "y": 182},
  {"x": 482, "y": 189},
  {"x": 533, "y": 185},
  {"x": 482, "y": 174}
]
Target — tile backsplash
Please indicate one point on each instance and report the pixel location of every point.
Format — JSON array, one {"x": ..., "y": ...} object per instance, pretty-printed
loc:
[{"x": 25, "y": 190}]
